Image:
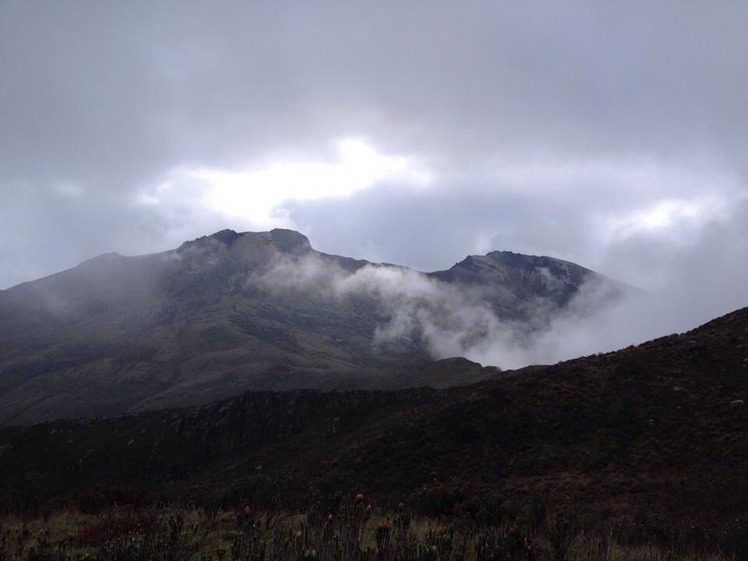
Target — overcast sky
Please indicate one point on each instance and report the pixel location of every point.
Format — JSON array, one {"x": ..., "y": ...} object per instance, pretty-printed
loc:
[{"x": 611, "y": 134}]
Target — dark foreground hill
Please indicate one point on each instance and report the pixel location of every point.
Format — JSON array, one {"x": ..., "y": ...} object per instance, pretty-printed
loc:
[
  {"x": 230, "y": 312},
  {"x": 654, "y": 430}
]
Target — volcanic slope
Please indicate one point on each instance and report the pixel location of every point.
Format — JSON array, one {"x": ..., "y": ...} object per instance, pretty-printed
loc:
[
  {"x": 236, "y": 311},
  {"x": 652, "y": 432}
]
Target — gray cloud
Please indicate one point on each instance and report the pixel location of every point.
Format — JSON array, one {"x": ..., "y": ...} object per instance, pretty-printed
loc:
[
  {"x": 612, "y": 135},
  {"x": 114, "y": 94}
]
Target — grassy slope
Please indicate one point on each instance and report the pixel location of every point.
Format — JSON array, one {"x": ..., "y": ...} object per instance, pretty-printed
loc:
[{"x": 659, "y": 426}]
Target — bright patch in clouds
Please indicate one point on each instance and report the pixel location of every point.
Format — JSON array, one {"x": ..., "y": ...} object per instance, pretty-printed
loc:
[
  {"x": 667, "y": 214},
  {"x": 257, "y": 194}
]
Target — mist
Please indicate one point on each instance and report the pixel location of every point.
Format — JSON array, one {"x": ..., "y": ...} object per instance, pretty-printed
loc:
[
  {"x": 612, "y": 136},
  {"x": 459, "y": 320}
]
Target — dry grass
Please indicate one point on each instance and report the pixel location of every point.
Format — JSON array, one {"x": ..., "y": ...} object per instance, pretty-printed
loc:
[{"x": 353, "y": 533}]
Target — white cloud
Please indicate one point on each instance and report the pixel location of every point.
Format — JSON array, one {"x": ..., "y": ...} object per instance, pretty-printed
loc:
[
  {"x": 683, "y": 215},
  {"x": 452, "y": 320},
  {"x": 256, "y": 195}
]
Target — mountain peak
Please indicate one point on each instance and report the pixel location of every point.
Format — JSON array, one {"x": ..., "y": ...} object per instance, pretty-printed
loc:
[
  {"x": 290, "y": 241},
  {"x": 226, "y": 237},
  {"x": 501, "y": 262},
  {"x": 281, "y": 240},
  {"x": 524, "y": 277}
]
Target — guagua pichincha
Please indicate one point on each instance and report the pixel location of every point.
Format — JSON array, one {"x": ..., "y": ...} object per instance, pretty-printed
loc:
[{"x": 235, "y": 311}]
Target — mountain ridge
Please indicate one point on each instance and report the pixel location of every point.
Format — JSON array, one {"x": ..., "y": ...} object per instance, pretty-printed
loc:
[{"x": 256, "y": 310}]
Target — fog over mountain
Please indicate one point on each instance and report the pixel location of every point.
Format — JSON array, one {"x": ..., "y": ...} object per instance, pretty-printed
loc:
[
  {"x": 602, "y": 134},
  {"x": 235, "y": 311},
  {"x": 492, "y": 318}
]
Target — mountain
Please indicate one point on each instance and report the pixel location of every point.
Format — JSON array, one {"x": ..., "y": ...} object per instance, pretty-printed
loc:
[
  {"x": 652, "y": 433},
  {"x": 235, "y": 311},
  {"x": 519, "y": 286}
]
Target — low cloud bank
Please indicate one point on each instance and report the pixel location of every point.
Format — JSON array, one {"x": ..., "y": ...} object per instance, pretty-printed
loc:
[
  {"x": 692, "y": 264},
  {"x": 454, "y": 320}
]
